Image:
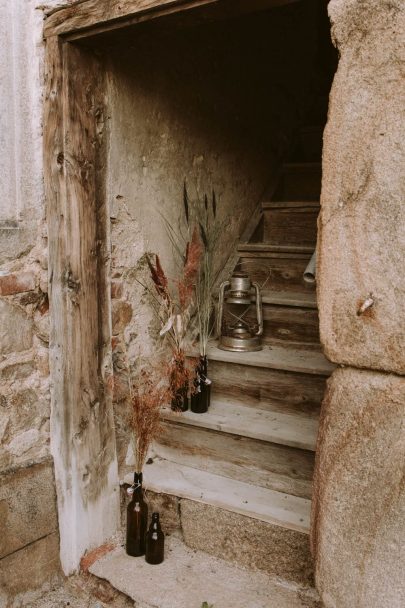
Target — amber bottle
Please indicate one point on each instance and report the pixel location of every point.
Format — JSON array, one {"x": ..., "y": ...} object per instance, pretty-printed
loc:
[
  {"x": 201, "y": 394},
  {"x": 155, "y": 542},
  {"x": 137, "y": 519}
]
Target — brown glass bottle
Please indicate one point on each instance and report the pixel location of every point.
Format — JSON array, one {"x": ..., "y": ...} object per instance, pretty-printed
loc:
[
  {"x": 155, "y": 542},
  {"x": 137, "y": 520},
  {"x": 201, "y": 394}
]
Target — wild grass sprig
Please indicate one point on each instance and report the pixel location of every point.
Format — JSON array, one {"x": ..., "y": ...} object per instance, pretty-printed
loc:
[
  {"x": 187, "y": 310},
  {"x": 204, "y": 214}
]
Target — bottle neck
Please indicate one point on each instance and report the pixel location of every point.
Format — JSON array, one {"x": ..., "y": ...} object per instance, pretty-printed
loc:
[
  {"x": 137, "y": 486},
  {"x": 138, "y": 478},
  {"x": 155, "y": 524}
]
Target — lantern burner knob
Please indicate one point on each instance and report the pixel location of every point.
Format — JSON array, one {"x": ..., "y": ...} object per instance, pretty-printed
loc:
[{"x": 239, "y": 330}]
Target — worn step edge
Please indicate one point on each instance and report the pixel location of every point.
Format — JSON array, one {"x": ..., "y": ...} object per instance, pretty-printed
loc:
[
  {"x": 269, "y": 248},
  {"x": 290, "y": 298},
  {"x": 267, "y": 505},
  {"x": 276, "y": 357},
  {"x": 296, "y": 299},
  {"x": 227, "y": 416}
]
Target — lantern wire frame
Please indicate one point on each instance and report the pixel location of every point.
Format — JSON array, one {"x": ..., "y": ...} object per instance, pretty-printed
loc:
[{"x": 241, "y": 267}]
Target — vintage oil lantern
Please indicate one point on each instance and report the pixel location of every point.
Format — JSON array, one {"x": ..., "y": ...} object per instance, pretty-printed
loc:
[{"x": 236, "y": 328}]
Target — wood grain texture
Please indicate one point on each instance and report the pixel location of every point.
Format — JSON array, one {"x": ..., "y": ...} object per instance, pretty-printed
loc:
[
  {"x": 259, "y": 463},
  {"x": 82, "y": 421},
  {"x": 260, "y": 503},
  {"x": 293, "y": 429},
  {"x": 90, "y": 13},
  {"x": 108, "y": 14},
  {"x": 277, "y": 271},
  {"x": 266, "y": 247},
  {"x": 275, "y": 357},
  {"x": 275, "y": 390},
  {"x": 301, "y": 299},
  {"x": 290, "y": 326},
  {"x": 291, "y": 225}
]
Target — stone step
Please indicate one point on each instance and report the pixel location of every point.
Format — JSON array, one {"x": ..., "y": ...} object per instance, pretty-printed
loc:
[
  {"x": 227, "y": 415},
  {"x": 243, "y": 497},
  {"x": 300, "y": 182},
  {"x": 290, "y": 223},
  {"x": 268, "y": 465},
  {"x": 188, "y": 577}
]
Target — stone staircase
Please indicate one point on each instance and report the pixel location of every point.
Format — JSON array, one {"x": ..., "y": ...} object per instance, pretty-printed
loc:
[{"x": 251, "y": 456}]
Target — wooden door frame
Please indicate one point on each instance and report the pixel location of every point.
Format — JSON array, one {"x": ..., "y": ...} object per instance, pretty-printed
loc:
[{"x": 82, "y": 426}]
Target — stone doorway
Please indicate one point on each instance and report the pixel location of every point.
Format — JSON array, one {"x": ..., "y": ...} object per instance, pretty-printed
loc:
[{"x": 88, "y": 185}]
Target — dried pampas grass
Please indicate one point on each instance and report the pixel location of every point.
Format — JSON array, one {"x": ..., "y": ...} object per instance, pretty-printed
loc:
[{"x": 148, "y": 393}]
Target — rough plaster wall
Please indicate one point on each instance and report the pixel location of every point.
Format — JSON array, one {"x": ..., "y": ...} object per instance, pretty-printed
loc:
[
  {"x": 29, "y": 537},
  {"x": 358, "y": 534},
  {"x": 214, "y": 105}
]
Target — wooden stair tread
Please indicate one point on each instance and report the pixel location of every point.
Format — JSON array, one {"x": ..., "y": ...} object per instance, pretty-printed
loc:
[
  {"x": 269, "y": 248},
  {"x": 276, "y": 357},
  {"x": 289, "y": 204},
  {"x": 267, "y": 505},
  {"x": 301, "y": 299},
  {"x": 297, "y": 299},
  {"x": 229, "y": 416}
]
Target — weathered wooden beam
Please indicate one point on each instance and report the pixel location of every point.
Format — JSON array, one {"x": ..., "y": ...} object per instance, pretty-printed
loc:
[
  {"x": 106, "y": 15},
  {"x": 91, "y": 13},
  {"x": 82, "y": 427}
]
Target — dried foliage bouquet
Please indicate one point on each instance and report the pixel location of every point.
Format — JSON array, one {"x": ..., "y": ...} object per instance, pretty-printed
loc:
[
  {"x": 184, "y": 304},
  {"x": 173, "y": 301},
  {"x": 199, "y": 220},
  {"x": 148, "y": 393}
]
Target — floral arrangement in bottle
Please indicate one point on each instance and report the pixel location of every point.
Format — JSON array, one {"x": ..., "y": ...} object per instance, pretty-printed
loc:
[
  {"x": 173, "y": 301},
  {"x": 148, "y": 392}
]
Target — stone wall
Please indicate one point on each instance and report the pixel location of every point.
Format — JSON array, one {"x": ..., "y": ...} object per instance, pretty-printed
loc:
[
  {"x": 29, "y": 539},
  {"x": 358, "y": 533}
]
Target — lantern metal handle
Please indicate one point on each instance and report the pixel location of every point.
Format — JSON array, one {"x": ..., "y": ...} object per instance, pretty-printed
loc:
[
  {"x": 259, "y": 311},
  {"x": 221, "y": 306}
]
